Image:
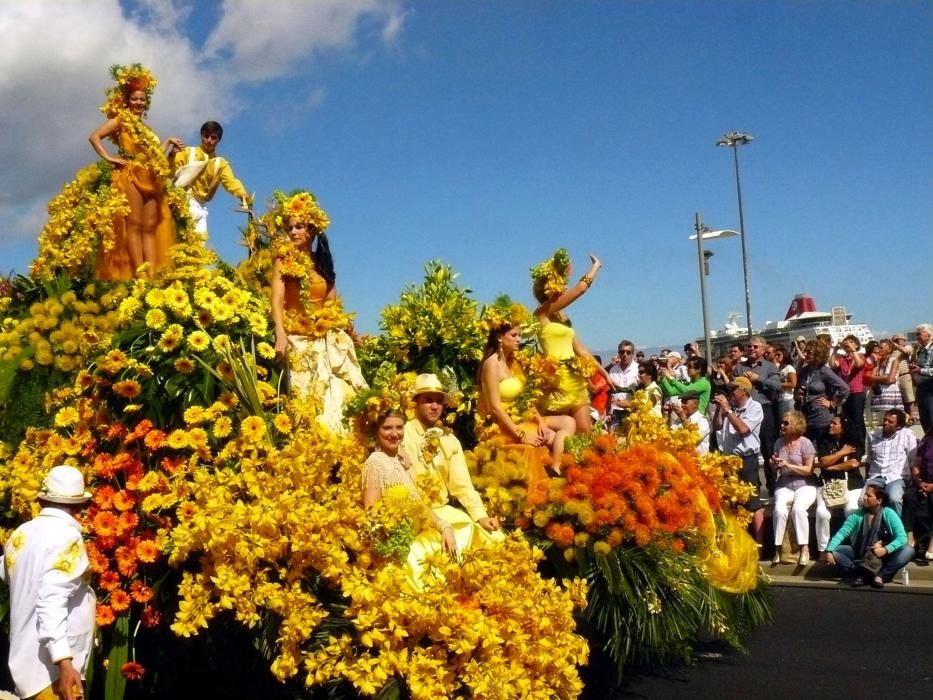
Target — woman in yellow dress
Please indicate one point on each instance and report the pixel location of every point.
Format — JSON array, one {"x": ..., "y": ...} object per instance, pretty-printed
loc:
[
  {"x": 307, "y": 314},
  {"x": 140, "y": 171},
  {"x": 450, "y": 529},
  {"x": 502, "y": 383},
  {"x": 559, "y": 341}
]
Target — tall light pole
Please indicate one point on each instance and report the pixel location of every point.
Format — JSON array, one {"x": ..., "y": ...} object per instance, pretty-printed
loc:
[
  {"x": 733, "y": 140},
  {"x": 705, "y": 233}
]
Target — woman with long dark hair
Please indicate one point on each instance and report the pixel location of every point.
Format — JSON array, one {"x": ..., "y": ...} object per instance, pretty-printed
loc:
[
  {"x": 306, "y": 311},
  {"x": 502, "y": 384},
  {"x": 839, "y": 456}
]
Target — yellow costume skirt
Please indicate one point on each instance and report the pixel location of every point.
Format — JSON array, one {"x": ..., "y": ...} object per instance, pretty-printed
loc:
[
  {"x": 571, "y": 392},
  {"x": 327, "y": 369},
  {"x": 469, "y": 535}
]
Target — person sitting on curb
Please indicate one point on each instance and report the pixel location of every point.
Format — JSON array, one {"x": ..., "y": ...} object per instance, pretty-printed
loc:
[{"x": 878, "y": 548}]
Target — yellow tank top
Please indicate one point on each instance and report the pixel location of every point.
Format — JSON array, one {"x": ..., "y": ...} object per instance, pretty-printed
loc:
[
  {"x": 557, "y": 340},
  {"x": 510, "y": 389}
]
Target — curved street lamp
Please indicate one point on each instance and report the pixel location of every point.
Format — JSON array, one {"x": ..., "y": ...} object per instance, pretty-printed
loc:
[
  {"x": 733, "y": 140},
  {"x": 704, "y": 233}
]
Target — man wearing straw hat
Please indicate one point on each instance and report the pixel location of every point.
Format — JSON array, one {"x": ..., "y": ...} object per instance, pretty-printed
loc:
[{"x": 52, "y": 606}]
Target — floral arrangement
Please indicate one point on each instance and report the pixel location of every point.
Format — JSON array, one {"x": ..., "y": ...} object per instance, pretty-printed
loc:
[
  {"x": 303, "y": 206},
  {"x": 394, "y": 521},
  {"x": 554, "y": 271}
]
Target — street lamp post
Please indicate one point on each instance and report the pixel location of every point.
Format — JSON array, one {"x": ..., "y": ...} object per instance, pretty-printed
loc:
[
  {"x": 733, "y": 140},
  {"x": 705, "y": 233}
]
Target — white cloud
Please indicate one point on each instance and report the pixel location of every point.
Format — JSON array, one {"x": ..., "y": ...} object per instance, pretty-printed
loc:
[{"x": 54, "y": 61}]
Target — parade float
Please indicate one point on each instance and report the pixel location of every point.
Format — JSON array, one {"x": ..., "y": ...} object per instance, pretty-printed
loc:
[{"x": 226, "y": 533}]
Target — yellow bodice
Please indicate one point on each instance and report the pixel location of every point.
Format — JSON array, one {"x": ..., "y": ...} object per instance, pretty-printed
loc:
[
  {"x": 510, "y": 389},
  {"x": 557, "y": 340}
]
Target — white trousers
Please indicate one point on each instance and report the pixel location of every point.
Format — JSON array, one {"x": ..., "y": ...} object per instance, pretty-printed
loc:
[
  {"x": 198, "y": 213},
  {"x": 823, "y": 515},
  {"x": 801, "y": 499}
]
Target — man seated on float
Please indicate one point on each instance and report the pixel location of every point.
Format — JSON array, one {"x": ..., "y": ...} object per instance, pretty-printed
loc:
[
  {"x": 432, "y": 449},
  {"x": 200, "y": 171}
]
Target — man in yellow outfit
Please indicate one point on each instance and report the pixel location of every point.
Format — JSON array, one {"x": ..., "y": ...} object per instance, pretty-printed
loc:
[
  {"x": 439, "y": 451},
  {"x": 200, "y": 171}
]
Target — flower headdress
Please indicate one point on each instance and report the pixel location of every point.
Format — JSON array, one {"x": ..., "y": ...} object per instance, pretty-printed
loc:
[
  {"x": 128, "y": 79},
  {"x": 302, "y": 205},
  {"x": 503, "y": 313},
  {"x": 389, "y": 391},
  {"x": 554, "y": 270}
]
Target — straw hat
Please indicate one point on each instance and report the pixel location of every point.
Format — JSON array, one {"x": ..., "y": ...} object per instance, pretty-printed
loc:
[
  {"x": 64, "y": 484},
  {"x": 428, "y": 384}
]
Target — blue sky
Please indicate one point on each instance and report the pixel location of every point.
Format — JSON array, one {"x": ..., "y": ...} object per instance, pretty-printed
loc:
[{"x": 487, "y": 134}]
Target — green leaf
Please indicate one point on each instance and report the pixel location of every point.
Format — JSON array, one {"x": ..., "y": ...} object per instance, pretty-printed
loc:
[{"x": 115, "y": 683}]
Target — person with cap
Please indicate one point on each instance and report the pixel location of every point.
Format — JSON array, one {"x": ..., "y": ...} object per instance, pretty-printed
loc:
[
  {"x": 688, "y": 411},
  {"x": 737, "y": 423},
  {"x": 766, "y": 391},
  {"x": 431, "y": 449},
  {"x": 876, "y": 544},
  {"x": 52, "y": 606}
]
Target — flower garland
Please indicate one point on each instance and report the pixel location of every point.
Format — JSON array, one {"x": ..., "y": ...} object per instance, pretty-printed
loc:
[
  {"x": 153, "y": 158},
  {"x": 555, "y": 270}
]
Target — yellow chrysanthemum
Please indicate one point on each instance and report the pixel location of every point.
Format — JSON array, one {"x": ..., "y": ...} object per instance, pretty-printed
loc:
[
  {"x": 199, "y": 341},
  {"x": 253, "y": 429}
]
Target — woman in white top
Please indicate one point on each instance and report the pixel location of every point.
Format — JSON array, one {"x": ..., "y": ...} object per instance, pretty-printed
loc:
[{"x": 788, "y": 378}]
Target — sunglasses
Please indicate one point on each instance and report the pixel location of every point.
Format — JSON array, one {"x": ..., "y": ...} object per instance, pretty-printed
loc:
[{"x": 625, "y": 352}]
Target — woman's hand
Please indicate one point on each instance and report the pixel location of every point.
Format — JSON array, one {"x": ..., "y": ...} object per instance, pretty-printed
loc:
[
  {"x": 824, "y": 402},
  {"x": 450, "y": 542},
  {"x": 546, "y": 434},
  {"x": 829, "y": 558},
  {"x": 281, "y": 344},
  {"x": 116, "y": 162},
  {"x": 597, "y": 263},
  {"x": 532, "y": 439},
  {"x": 175, "y": 142}
]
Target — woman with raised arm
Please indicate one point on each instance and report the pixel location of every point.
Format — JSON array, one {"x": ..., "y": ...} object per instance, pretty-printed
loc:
[
  {"x": 141, "y": 171},
  {"x": 502, "y": 399},
  {"x": 559, "y": 341},
  {"x": 309, "y": 321}
]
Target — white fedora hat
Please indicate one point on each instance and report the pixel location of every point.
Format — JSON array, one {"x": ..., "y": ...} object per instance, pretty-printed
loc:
[
  {"x": 428, "y": 384},
  {"x": 64, "y": 484}
]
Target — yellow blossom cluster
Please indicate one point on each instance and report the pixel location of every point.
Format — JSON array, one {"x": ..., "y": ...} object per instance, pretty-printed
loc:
[{"x": 62, "y": 331}]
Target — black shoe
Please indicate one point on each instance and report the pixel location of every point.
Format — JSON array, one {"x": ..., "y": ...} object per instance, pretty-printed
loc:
[
  {"x": 859, "y": 582},
  {"x": 877, "y": 582},
  {"x": 552, "y": 472}
]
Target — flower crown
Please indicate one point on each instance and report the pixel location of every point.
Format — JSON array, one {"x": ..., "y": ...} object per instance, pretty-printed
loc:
[
  {"x": 389, "y": 391},
  {"x": 503, "y": 313},
  {"x": 554, "y": 270},
  {"x": 303, "y": 206},
  {"x": 128, "y": 79}
]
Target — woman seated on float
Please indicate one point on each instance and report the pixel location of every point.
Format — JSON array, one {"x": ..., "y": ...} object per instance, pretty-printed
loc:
[
  {"x": 559, "y": 341},
  {"x": 141, "y": 171},
  {"x": 451, "y": 530},
  {"x": 305, "y": 310},
  {"x": 502, "y": 382}
]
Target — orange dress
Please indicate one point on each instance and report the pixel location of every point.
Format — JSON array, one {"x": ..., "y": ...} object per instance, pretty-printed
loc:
[{"x": 114, "y": 264}]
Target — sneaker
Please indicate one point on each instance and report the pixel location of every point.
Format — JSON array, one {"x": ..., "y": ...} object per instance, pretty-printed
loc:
[{"x": 928, "y": 555}]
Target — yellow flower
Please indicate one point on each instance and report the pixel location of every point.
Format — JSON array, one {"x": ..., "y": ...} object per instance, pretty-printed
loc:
[
  {"x": 222, "y": 427},
  {"x": 221, "y": 342},
  {"x": 266, "y": 351},
  {"x": 283, "y": 423},
  {"x": 185, "y": 365},
  {"x": 155, "y": 298},
  {"x": 66, "y": 416},
  {"x": 156, "y": 318},
  {"x": 178, "y": 440},
  {"x": 128, "y": 389},
  {"x": 253, "y": 429},
  {"x": 199, "y": 341}
]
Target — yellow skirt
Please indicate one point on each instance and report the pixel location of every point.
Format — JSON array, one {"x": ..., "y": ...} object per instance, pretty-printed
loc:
[{"x": 571, "y": 392}]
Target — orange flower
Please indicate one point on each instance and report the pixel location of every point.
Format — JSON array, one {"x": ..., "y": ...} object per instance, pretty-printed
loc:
[
  {"x": 128, "y": 389},
  {"x": 123, "y": 500},
  {"x": 141, "y": 592},
  {"x": 109, "y": 581},
  {"x": 120, "y": 601},
  {"x": 105, "y": 524},
  {"x": 150, "y": 617},
  {"x": 132, "y": 671},
  {"x": 147, "y": 551},
  {"x": 141, "y": 430},
  {"x": 171, "y": 464},
  {"x": 105, "y": 616},
  {"x": 104, "y": 467},
  {"x": 155, "y": 439},
  {"x": 99, "y": 563},
  {"x": 103, "y": 497},
  {"x": 126, "y": 560},
  {"x": 127, "y": 522}
]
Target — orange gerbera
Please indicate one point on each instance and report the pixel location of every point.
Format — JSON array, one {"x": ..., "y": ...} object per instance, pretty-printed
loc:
[
  {"x": 141, "y": 592},
  {"x": 155, "y": 439},
  {"x": 141, "y": 430},
  {"x": 150, "y": 617},
  {"x": 104, "y": 467},
  {"x": 171, "y": 464},
  {"x": 147, "y": 551},
  {"x": 103, "y": 497},
  {"x": 105, "y": 616},
  {"x": 120, "y": 601},
  {"x": 128, "y": 389},
  {"x": 127, "y": 522},
  {"x": 105, "y": 524},
  {"x": 99, "y": 562},
  {"x": 132, "y": 671},
  {"x": 109, "y": 581},
  {"x": 123, "y": 500}
]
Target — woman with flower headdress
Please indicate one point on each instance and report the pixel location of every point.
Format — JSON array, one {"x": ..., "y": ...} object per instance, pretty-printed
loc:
[
  {"x": 306, "y": 311},
  {"x": 559, "y": 341},
  {"x": 502, "y": 394},
  {"x": 140, "y": 172}
]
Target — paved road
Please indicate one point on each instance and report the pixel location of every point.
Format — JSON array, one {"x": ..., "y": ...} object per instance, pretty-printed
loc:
[{"x": 824, "y": 644}]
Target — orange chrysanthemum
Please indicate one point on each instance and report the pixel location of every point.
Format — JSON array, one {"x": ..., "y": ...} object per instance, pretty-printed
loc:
[
  {"x": 105, "y": 524},
  {"x": 105, "y": 616},
  {"x": 109, "y": 581},
  {"x": 147, "y": 551},
  {"x": 155, "y": 439},
  {"x": 140, "y": 592},
  {"x": 123, "y": 500},
  {"x": 103, "y": 497},
  {"x": 120, "y": 601}
]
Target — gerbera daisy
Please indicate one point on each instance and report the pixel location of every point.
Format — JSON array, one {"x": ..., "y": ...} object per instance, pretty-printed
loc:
[
  {"x": 283, "y": 423},
  {"x": 147, "y": 551},
  {"x": 109, "y": 581},
  {"x": 253, "y": 428},
  {"x": 105, "y": 616},
  {"x": 178, "y": 439},
  {"x": 105, "y": 524},
  {"x": 156, "y": 318},
  {"x": 128, "y": 389},
  {"x": 140, "y": 592},
  {"x": 199, "y": 341},
  {"x": 185, "y": 365},
  {"x": 132, "y": 671},
  {"x": 120, "y": 600}
]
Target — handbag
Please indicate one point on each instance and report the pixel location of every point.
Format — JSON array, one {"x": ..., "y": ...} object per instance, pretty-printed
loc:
[
  {"x": 189, "y": 172},
  {"x": 835, "y": 493}
]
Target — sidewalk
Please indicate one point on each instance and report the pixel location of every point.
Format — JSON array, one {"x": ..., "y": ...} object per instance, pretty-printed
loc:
[{"x": 820, "y": 575}]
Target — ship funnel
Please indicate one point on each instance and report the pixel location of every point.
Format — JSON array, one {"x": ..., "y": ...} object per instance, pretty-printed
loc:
[{"x": 801, "y": 304}]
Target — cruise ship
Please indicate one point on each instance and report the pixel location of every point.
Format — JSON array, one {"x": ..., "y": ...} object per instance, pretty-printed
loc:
[{"x": 802, "y": 318}]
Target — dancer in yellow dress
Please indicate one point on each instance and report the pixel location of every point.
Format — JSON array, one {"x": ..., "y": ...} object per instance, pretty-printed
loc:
[
  {"x": 140, "y": 171},
  {"x": 307, "y": 315},
  {"x": 502, "y": 383},
  {"x": 559, "y": 341}
]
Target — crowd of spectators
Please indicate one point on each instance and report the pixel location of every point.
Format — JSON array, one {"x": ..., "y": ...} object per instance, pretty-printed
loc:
[{"x": 802, "y": 413}]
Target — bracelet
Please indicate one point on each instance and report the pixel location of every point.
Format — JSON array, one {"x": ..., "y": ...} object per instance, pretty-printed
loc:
[
  {"x": 521, "y": 434},
  {"x": 587, "y": 280}
]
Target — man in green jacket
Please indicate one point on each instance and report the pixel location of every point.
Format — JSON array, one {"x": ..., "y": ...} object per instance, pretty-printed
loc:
[
  {"x": 873, "y": 530},
  {"x": 698, "y": 384}
]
